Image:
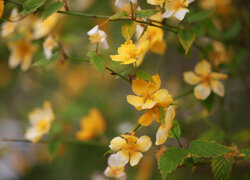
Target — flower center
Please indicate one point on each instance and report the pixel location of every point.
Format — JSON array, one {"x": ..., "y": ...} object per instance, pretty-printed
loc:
[
  {"x": 42, "y": 125},
  {"x": 95, "y": 38}
]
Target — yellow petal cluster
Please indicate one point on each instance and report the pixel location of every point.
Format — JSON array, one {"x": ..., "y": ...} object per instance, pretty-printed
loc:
[
  {"x": 41, "y": 120},
  {"x": 115, "y": 167},
  {"x": 150, "y": 97},
  {"x": 128, "y": 52},
  {"x": 130, "y": 148},
  {"x": 155, "y": 2},
  {"x": 92, "y": 126},
  {"x": 205, "y": 80}
]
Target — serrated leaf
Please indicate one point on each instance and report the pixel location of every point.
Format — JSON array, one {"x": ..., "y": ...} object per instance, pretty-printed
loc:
[
  {"x": 99, "y": 62},
  {"x": 31, "y": 6},
  {"x": 209, "y": 102},
  {"x": 221, "y": 167},
  {"x": 177, "y": 130},
  {"x": 145, "y": 13},
  {"x": 118, "y": 15},
  {"x": 144, "y": 75},
  {"x": 171, "y": 159},
  {"x": 207, "y": 148},
  {"x": 186, "y": 38},
  {"x": 199, "y": 16},
  {"x": 43, "y": 61},
  {"x": 52, "y": 8},
  {"x": 247, "y": 154},
  {"x": 128, "y": 29}
]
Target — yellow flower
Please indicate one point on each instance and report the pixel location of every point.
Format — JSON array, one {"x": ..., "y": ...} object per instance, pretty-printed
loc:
[
  {"x": 92, "y": 126},
  {"x": 130, "y": 148},
  {"x": 115, "y": 167},
  {"x": 128, "y": 53},
  {"x": 22, "y": 52},
  {"x": 155, "y": 2},
  {"x": 222, "y": 7},
  {"x": 41, "y": 120},
  {"x": 177, "y": 8},
  {"x": 121, "y": 3},
  {"x": 205, "y": 80},
  {"x": 164, "y": 130},
  {"x": 1, "y": 8},
  {"x": 8, "y": 28},
  {"x": 98, "y": 36},
  {"x": 149, "y": 97},
  {"x": 48, "y": 46},
  {"x": 220, "y": 54}
]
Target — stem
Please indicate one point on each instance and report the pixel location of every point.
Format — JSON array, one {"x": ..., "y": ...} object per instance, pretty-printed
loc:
[
  {"x": 178, "y": 140},
  {"x": 136, "y": 128},
  {"x": 116, "y": 73},
  {"x": 132, "y": 10}
]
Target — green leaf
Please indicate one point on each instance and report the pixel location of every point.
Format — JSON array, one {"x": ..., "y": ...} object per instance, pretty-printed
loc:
[
  {"x": 53, "y": 147},
  {"x": 177, "y": 130},
  {"x": 209, "y": 102},
  {"x": 186, "y": 38},
  {"x": 128, "y": 29},
  {"x": 210, "y": 28},
  {"x": 247, "y": 154},
  {"x": 118, "y": 15},
  {"x": 171, "y": 159},
  {"x": 145, "y": 13},
  {"x": 43, "y": 61},
  {"x": 207, "y": 148},
  {"x": 31, "y": 6},
  {"x": 199, "y": 29},
  {"x": 233, "y": 31},
  {"x": 52, "y": 8},
  {"x": 213, "y": 135},
  {"x": 195, "y": 17},
  {"x": 221, "y": 168},
  {"x": 91, "y": 53},
  {"x": 99, "y": 62},
  {"x": 144, "y": 75}
]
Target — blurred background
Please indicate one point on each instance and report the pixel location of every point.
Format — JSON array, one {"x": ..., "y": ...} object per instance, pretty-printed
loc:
[{"x": 74, "y": 87}]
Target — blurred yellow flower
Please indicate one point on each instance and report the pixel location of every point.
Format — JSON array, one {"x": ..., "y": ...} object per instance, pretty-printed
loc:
[
  {"x": 8, "y": 27},
  {"x": 121, "y": 3},
  {"x": 205, "y": 80},
  {"x": 220, "y": 54},
  {"x": 130, "y": 148},
  {"x": 1, "y": 8},
  {"x": 41, "y": 120},
  {"x": 48, "y": 46},
  {"x": 177, "y": 8},
  {"x": 128, "y": 53},
  {"x": 115, "y": 167},
  {"x": 222, "y": 7},
  {"x": 98, "y": 36},
  {"x": 22, "y": 52},
  {"x": 149, "y": 96},
  {"x": 155, "y": 2},
  {"x": 164, "y": 130},
  {"x": 92, "y": 126}
]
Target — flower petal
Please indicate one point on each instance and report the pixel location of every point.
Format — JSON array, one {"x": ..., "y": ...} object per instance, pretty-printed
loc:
[
  {"x": 124, "y": 156},
  {"x": 115, "y": 160},
  {"x": 143, "y": 143},
  {"x": 117, "y": 143},
  {"x": 168, "y": 13},
  {"x": 191, "y": 78},
  {"x": 160, "y": 95},
  {"x": 136, "y": 101},
  {"x": 202, "y": 91},
  {"x": 139, "y": 87},
  {"x": 215, "y": 75},
  {"x": 169, "y": 116},
  {"x": 180, "y": 14},
  {"x": 146, "y": 119},
  {"x": 135, "y": 157},
  {"x": 148, "y": 104},
  {"x": 161, "y": 135},
  {"x": 203, "y": 68},
  {"x": 218, "y": 88},
  {"x": 142, "y": 48}
]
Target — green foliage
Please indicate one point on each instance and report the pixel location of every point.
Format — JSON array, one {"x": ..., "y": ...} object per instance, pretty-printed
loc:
[
  {"x": 128, "y": 29},
  {"x": 233, "y": 31},
  {"x": 143, "y": 75},
  {"x": 209, "y": 102},
  {"x": 98, "y": 61},
  {"x": 186, "y": 38},
  {"x": 52, "y": 8},
  {"x": 171, "y": 159},
  {"x": 221, "y": 167},
  {"x": 31, "y": 6},
  {"x": 199, "y": 16},
  {"x": 43, "y": 61},
  {"x": 177, "y": 130},
  {"x": 118, "y": 15},
  {"x": 247, "y": 154},
  {"x": 53, "y": 147},
  {"x": 145, "y": 13},
  {"x": 213, "y": 135},
  {"x": 207, "y": 148}
]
